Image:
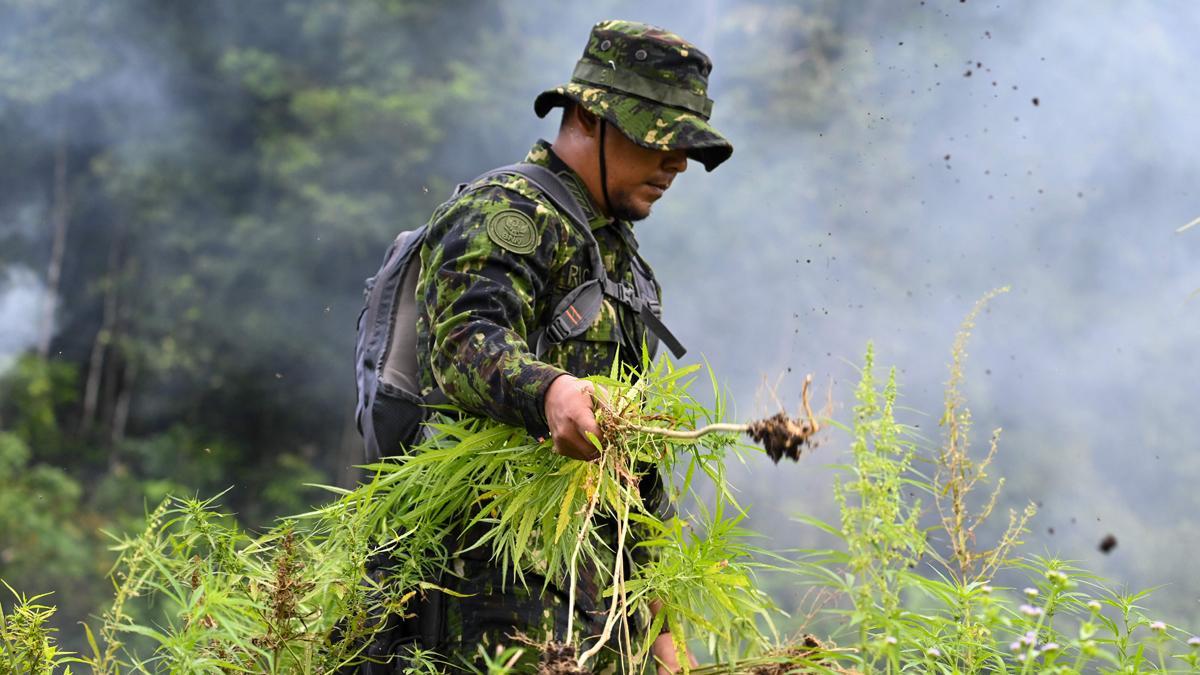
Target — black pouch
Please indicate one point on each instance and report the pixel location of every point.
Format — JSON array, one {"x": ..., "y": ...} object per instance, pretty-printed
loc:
[{"x": 396, "y": 416}]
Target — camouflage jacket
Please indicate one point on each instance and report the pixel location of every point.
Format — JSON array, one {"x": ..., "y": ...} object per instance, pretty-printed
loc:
[{"x": 483, "y": 294}]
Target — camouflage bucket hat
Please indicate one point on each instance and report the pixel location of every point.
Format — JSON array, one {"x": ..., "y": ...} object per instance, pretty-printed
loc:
[{"x": 649, "y": 83}]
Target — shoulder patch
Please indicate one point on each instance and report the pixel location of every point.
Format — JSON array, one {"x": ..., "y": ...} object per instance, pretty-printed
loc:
[{"x": 513, "y": 230}]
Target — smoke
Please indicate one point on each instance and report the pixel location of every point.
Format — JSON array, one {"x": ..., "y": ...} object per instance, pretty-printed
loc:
[
  {"x": 22, "y": 295},
  {"x": 894, "y": 162}
]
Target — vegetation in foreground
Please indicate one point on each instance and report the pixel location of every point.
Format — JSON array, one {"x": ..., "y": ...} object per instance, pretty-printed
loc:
[{"x": 194, "y": 593}]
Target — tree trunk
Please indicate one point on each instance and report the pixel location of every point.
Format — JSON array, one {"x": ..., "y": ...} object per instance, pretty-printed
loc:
[
  {"x": 104, "y": 336},
  {"x": 60, "y": 210},
  {"x": 121, "y": 410}
]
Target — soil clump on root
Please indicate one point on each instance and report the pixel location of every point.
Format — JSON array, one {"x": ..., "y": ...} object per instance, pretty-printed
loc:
[
  {"x": 558, "y": 658},
  {"x": 781, "y": 436}
]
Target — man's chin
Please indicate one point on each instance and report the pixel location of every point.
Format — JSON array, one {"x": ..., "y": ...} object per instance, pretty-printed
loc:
[{"x": 631, "y": 211}]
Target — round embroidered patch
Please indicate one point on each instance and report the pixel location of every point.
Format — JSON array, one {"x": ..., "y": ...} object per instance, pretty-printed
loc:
[{"x": 513, "y": 230}]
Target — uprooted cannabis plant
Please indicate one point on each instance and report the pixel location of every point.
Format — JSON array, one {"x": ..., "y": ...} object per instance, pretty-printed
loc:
[{"x": 908, "y": 588}]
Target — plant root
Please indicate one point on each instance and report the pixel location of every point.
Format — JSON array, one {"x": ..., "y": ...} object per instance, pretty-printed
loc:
[
  {"x": 787, "y": 656},
  {"x": 796, "y": 658},
  {"x": 558, "y": 658},
  {"x": 781, "y": 435}
]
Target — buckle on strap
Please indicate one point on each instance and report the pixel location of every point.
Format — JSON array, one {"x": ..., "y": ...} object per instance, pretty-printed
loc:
[
  {"x": 624, "y": 294},
  {"x": 558, "y": 330}
]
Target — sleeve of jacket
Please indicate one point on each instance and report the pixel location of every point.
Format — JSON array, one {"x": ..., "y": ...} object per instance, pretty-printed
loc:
[{"x": 481, "y": 298}]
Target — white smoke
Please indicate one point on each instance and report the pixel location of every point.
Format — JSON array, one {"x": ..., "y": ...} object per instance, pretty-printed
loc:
[{"x": 21, "y": 296}]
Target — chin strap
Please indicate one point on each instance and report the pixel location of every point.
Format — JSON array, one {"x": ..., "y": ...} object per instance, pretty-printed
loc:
[{"x": 604, "y": 169}]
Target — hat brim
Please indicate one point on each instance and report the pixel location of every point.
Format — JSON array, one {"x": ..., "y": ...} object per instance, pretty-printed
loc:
[{"x": 646, "y": 123}]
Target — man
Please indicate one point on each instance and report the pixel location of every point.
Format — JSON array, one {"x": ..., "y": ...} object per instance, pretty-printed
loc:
[{"x": 500, "y": 258}]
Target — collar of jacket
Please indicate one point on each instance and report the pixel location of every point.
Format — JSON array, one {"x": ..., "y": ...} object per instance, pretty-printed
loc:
[{"x": 542, "y": 155}]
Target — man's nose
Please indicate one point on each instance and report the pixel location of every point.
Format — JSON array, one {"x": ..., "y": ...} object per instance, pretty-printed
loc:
[{"x": 675, "y": 161}]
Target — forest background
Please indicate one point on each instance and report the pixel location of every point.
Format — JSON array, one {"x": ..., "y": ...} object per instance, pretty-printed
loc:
[{"x": 192, "y": 193}]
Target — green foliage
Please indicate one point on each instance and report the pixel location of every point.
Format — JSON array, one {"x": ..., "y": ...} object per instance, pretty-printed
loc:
[
  {"x": 226, "y": 600},
  {"x": 295, "y": 600},
  {"x": 27, "y": 643},
  {"x": 904, "y": 597},
  {"x": 31, "y": 395},
  {"x": 40, "y": 540},
  {"x": 925, "y": 600}
]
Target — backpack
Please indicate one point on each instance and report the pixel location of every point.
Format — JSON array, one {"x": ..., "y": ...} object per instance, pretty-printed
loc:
[{"x": 390, "y": 408}]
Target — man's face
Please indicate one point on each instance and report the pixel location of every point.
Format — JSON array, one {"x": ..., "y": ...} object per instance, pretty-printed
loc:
[{"x": 638, "y": 176}]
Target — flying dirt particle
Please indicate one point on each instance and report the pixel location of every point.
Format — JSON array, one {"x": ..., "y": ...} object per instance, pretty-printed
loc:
[
  {"x": 987, "y": 34},
  {"x": 947, "y": 158},
  {"x": 1050, "y": 531},
  {"x": 1036, "y": 102},
  {"x": 1107, "y": 544},
  {"x": 967, "y": 74}
]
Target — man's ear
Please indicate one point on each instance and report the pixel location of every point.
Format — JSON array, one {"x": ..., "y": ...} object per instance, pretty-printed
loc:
[{"x": 587, "y": 122}]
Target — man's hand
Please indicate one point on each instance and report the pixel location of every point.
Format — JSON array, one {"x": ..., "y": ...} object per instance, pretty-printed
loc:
[
  {"x": 663, "y": 652},
  {"x": 570, "y": 416},
  {"x": 663, "y": 649}
]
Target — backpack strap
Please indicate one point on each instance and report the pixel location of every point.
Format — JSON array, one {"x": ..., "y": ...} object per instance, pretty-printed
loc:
[
  {"x": 550, "y": 185},
  {"x": 568, "y": 320}
]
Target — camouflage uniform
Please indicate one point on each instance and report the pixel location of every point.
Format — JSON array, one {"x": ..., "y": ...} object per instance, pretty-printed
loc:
[
  {"x": 482, "y": 300},
  {"x": 498, "y": 260}
]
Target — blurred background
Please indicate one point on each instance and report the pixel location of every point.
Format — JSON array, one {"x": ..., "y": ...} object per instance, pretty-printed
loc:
[{"x": 191, "y": 194}]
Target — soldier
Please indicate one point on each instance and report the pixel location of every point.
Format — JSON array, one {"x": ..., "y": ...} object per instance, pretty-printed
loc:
[{"x": 499, "y": 260}]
